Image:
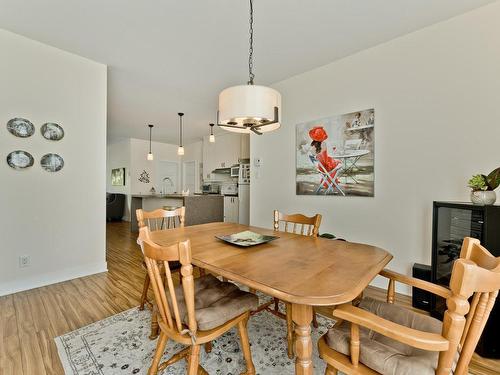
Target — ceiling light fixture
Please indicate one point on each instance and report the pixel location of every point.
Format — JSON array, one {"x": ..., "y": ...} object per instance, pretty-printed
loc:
[
  {"x": 249, "y": 108},
  {"x": 180, "y": 150},
  {"x": 212, "y": 136},
  {"x": 150, "y": 155}
]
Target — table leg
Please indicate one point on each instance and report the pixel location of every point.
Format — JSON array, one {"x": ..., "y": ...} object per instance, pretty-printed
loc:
[
  {"x": 155, "y": 328},
  {"x": 302, "y": 316}
]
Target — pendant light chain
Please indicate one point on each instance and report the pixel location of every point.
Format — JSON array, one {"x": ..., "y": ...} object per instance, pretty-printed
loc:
[
  {"x": 150, "y": 129},
  {"x": 150, "y": 154},
  {"x": 251, "y": 75},
  {"x": 180, "y": 133}
]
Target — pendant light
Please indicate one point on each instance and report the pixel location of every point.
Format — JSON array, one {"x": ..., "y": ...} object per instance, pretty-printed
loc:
[
  {"x": 180, "y": 150},
  {"x": 150, "y": 155},
  {"x": 212, "y": 136},
  {"x": 249, "y": 108}
]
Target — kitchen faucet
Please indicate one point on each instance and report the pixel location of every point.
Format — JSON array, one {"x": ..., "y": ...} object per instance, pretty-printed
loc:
[{"x": 163, "y": 183}]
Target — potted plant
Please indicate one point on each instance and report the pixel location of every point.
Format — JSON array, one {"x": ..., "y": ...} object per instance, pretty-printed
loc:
[{"x": 483, "y": 187}]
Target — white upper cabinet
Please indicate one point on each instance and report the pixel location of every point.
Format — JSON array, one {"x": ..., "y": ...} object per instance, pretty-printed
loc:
[{"x": 226, "y": 151}]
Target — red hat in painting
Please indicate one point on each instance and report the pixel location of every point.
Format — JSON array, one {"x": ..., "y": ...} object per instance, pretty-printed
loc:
[{"x": 318, "y": 134}]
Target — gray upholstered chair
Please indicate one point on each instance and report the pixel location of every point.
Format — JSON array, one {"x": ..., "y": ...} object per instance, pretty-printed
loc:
[{"x": 381, "y": 338}]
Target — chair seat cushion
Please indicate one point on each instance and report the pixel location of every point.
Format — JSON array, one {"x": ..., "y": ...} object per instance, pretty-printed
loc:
[
  {"x": 216, "y": 302},
  {"x": 383, "y": 354}
]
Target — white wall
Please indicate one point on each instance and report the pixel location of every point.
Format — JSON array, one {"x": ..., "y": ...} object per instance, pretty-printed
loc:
[
  {"x": 436, "y": 94},
  {"x": 58, "y": 219},
  {"x": 139, "y": 149}
]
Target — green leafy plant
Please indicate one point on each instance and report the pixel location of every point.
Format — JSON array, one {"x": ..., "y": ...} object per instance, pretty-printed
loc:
[{"x": 481, "y": 182}]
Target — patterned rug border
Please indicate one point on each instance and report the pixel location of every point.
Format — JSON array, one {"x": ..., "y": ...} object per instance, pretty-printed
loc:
[
  {"x": 82, "y": 353},
  {"x": 62, "y": 351}
]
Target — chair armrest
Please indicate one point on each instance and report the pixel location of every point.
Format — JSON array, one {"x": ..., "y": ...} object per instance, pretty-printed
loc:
[
  {"x": 421, "y": 284},
  {"x": 413, "y": 337}
]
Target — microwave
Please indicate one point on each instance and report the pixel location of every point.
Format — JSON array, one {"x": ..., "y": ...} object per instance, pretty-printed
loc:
[
  {"x": 210, "y": 189},
  {"x": 230, "y": 188},
  {"x": 235, "y": 171}
]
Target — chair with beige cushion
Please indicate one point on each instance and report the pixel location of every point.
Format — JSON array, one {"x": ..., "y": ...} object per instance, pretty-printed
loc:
[
  {"x": 378, "y": 337},
  {"x": 159, "y": 220},
  {"x": 195, "y": 312},
  {"x": 306, "y": 226}
]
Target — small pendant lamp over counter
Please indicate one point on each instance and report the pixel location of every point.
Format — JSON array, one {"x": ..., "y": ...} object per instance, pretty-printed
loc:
[
  {"x": 212, "y": 136},
  {"x": 180, "y": 150},
  {"x": 249, "y": 108},
  {"x": 150, "y": 155}
]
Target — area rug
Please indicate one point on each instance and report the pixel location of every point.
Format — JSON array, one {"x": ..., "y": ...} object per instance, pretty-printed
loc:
[{"x": 120, "y": 345}]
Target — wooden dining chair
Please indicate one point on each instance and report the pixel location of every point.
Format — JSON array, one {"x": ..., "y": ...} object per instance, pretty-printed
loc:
[
  {"x": 306, "y": 226},
  {"x": 395, "y": 340},
  {"x": 195, "y": 312},
  {"x": 159, "y": 220}
]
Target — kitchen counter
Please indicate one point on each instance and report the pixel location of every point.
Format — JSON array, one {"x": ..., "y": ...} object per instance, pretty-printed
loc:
[
  {"x": 160, "y": 196},
  {"x": 200, "y": 209}
]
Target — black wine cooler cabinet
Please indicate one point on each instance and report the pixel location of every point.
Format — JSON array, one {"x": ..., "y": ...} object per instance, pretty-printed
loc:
[{"x": 452, "y": 222}]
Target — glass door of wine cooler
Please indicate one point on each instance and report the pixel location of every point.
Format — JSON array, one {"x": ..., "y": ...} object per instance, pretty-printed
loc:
[{"x": 452, "y": 225}]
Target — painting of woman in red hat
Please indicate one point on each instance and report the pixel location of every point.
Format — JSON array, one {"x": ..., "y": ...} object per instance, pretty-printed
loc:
[
  {"x": 326, "y": 164},
  {"x": 335, "y": 155}
]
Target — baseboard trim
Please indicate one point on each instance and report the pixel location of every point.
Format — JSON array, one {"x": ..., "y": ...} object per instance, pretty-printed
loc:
[{"x": 37, "y": 281}]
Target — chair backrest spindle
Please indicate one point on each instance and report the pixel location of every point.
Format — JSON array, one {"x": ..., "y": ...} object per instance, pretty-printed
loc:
[
  {"x": 161, "y": 219},
  {"x": 303, "y": 225}
]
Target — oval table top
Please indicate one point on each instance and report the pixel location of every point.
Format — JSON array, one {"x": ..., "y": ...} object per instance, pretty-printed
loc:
[{"x": 294, "y": 268}]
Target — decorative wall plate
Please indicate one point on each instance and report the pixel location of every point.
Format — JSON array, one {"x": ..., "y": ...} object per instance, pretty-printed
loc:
[
  {"x": 52, "y": 131},
  {"x": 20, "y": 127},
  {"x": 20, "y": 159},
  {"x": 52, "y": 162}
]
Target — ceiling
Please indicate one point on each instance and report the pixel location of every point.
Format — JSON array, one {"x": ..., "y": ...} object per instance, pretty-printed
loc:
[{"x": 167, "y": 56}]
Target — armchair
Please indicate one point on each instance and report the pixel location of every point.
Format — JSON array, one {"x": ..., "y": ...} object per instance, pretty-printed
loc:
[{"x": 382, "y": 338}]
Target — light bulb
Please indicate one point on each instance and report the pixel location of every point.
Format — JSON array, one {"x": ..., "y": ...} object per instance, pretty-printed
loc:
[
  {"x": 150, "y": 156},
  {"x": 180, "y": 151},
  {"x": 212, "y": 138}
]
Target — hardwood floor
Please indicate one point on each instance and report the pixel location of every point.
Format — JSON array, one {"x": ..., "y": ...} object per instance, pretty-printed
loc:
[{"x": 30, "y": 320}]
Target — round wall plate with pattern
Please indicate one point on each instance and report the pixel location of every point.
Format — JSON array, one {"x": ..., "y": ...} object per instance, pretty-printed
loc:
[
  {"x": 52, "y": 131},
  {"x": 20, "y": 159},
  {"x": 20, "y": 127},
  {"x": 52, "y": 162}
]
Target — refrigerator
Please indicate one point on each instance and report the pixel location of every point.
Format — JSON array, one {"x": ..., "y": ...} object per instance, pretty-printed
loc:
[{"x": 244, "y": 194}]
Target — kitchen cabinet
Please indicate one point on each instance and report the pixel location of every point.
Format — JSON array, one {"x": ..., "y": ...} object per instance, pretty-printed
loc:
[
  {"x": 226, "y": 151},
  {"x": 231, "y": 209}
]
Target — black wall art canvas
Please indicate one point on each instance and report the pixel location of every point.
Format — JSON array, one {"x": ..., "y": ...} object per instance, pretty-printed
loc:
[
  {"x": 118, "y": 177},
  {"x": 52, "y": 162},
  {"x": 20, "y": 127},
  {"x": 52, "y": 131},
  {"x": 335, "y": 155},
  {"x": 20, "y": 159},
  {"x": 144, "y": 177}
]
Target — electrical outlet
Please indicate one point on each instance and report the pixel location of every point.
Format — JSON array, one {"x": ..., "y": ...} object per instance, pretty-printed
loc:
[{"x": 24, "y": 261}]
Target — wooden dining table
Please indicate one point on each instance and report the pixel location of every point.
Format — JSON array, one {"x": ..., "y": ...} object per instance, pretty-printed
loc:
[{"x": 304, "y": 271}]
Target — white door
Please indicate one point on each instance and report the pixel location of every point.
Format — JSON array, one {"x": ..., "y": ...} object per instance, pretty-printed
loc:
[
  {"x": 244, "y": 204},
  {"x": 231, "y": 209},
  {"x": 168, "y": 176},
  {"x": 189, "y": 176}
]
